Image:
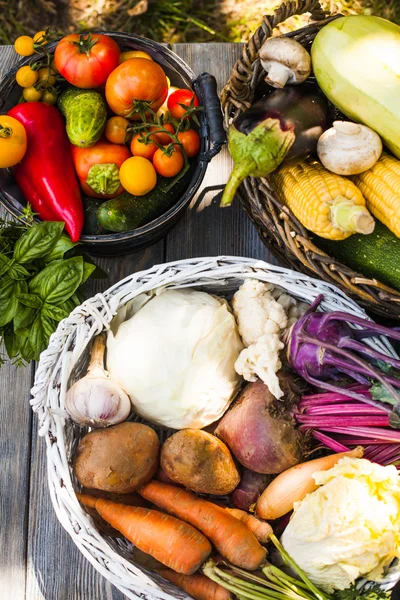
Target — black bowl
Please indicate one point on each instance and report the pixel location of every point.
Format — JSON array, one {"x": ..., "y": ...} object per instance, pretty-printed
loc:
[{"x": 211, "y": 132}]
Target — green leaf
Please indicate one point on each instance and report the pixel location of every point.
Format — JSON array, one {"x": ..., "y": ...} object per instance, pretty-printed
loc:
[
  {"x": 58, "y": 313},
  {"x": 10, "y": 342},
  {"x": 38, "y": 241},
  {"x": 24, "y": 317},
  {"x": 379, "y": 392},
  {"x": 40, "y": 333},
  {"x": 25, "y": 347},
  {"x": 59, "y": 280},
  {"x": 18, "y": 272},
  {"x": 31, "y": 300},
  {"x": 5, "y": 264},
  {"x": 64, "y": 244},
  {"x": 88, "y": 269},
  {"x": 9, "y": 304}
]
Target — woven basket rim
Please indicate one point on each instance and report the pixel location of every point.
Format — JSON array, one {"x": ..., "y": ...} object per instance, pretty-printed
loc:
[{"x": 67, "y": 346}]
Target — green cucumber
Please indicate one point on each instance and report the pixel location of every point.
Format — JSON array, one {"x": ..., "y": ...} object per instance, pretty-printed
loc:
[
  {"x": 127, "y": 212},
  {"x": 91, "y": 225},
  {"x": 86, "y": 113},
  {"x": 376, "y": 255}
]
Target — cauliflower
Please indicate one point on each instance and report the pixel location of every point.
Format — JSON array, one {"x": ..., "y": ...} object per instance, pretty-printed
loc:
[
  {"x": 262, "y": 311},
  {"x": 349, "y": 527}
]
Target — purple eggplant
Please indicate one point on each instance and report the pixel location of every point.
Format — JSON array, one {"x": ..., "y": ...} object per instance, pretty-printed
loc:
[{"x": 283, "y": 125}]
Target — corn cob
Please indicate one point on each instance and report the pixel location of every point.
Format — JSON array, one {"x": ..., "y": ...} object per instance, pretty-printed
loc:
[
  {"x": 380, "y": 187},
  {"x": 327, "y": 204}
]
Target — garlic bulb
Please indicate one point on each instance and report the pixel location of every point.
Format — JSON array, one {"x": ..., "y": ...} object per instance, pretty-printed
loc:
[
  {"x": 349, "y": 148},
  {"x": 96, "y": 400}
]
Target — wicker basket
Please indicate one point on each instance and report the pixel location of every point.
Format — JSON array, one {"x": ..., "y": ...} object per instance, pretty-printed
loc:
[
  {"x": 279, "y": 229},
  {"x": 68, "y": 354}
]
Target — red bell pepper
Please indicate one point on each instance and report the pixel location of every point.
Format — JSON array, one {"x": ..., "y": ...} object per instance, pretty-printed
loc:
[{"x": 46, "y": 174}]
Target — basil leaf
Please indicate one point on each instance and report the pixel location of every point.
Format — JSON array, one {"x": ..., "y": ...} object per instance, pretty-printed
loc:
[
  {"x": 25, "y": 347},
  {"x": 24, "y": 318},
  {"x": 63, "y": 245},
  {"x": 18, "y": 272},
  {"x": 31, "y": 300},
  {"x": 40, "y": 333},
  {"x": 59, "y": 280},
  {"x": 87, "y": 271},
  {"x": 5, "y": 264},
  {"x": 10, "y": 342},
  {"x": 9, "y": 304},
  {"x": 38, "y": 241},
  {"x": 58, "y": 313}
]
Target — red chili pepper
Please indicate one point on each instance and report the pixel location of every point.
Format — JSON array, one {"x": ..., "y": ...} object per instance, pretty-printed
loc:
[{"x": 46, "y": 174}]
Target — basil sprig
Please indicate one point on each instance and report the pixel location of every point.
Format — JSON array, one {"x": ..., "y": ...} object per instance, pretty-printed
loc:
[{"x": 38, "y": 288}]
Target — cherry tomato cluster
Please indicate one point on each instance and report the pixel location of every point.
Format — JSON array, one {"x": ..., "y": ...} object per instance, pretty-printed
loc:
[{"x": 150, "y": 132}]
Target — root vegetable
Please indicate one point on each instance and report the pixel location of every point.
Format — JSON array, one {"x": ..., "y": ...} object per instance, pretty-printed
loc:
[
  {"x": 174, "y": 543},
  {"x": 260, "y": 432},
  {"x": 198, "y": 586},
  {"x": 200, "y": 462},
  {"x": 231, "y": 538},
  {"x": 261, "y": 530},
  {"x": 251, "y": 485},
  {"x": 117, "y": 459},
  {"x": 294, "y": 484}
]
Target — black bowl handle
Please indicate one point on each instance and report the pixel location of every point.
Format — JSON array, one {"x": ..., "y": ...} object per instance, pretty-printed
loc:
[{"x": 206, "y": 86}]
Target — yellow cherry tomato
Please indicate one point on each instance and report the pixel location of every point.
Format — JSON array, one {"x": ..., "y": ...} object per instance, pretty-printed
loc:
[
  {"x": 115, "y": 130},
  {"x": 49, "y": 97},
  {"x": 133, "y": 54},
  {"x": 39, "y": 37},
  {"x": 168, "y": 82},
  {"x": 23, "y": 45},
  {"x": 53, "y": 66},
  {"x": 12, "y": 141},
  {"x": 138, "y": 176},
  {"x": 31, "y": 94},
  {"x": 47, "y": 76},
  {"x": 26, "y": 77}
]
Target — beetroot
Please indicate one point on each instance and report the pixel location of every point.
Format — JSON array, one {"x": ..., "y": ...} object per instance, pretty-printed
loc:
[
  {"x": 251, "y": 486},
  {"x": 260, "y": 431}
]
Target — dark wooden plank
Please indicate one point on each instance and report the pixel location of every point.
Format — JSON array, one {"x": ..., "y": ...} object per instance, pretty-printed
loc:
[
  {"x": 209, "y": 230},
  {"x": 15, "y": 438}
]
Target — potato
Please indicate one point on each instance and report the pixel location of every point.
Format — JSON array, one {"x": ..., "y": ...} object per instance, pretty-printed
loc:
[
  {"x": 118, "y": 459},
  {"x": 200, "y": 462}
]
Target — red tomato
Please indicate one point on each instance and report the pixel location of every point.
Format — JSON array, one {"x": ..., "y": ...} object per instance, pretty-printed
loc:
[
  {"x": 98, "y": 167},
  {"x": 86, "y": 60},
  {"x": 185, "y": 97},
  {"x": 190, "y": 141},
  {"x": 168, "y": 165},
  {"x": 163, "y": 138},
  {"x": 139, "y": 148},
  {"x": 137, "y": 82}
]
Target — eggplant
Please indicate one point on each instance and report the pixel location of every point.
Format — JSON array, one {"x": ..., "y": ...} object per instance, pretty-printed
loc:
[{"x": 283, "y": 125}]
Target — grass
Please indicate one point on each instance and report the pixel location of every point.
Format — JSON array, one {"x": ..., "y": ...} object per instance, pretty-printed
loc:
[{"x": 165, "y": 20}]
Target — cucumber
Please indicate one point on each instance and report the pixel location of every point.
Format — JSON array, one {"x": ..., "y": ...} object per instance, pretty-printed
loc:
[
  {"x": 376, "y": 255},
  {"x": 127, "y": 212},
  {"x": 86, "y": 113},
  {"x": 91, "y": 225}
]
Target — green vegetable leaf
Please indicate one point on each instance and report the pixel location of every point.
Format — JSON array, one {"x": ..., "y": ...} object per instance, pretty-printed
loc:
[
  {"x": 380, "y": 393},
  {"x": 5, "y": 264},
  {"x": 64, "y": 244},
  {"x": 24, "y": 318},
  {"x": 10, "y": 342},
  {"x": 58, "y": 313},
  {"x": 31, "y": 300},
  {"x": 9, "y": 304},
  {"x": 40, "y": 333},
  {"x": 18, "y": 272},
  {"x": 58, "y": 281},
  {"x": 38, "y": 241},
  {"x": 374, "y": 592},
  {"x": 24, "y": 344},
  {"x": 87, "y": 271}
]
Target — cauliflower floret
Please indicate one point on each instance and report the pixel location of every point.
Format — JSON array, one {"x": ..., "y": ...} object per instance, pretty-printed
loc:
[
  {"x": 262, "y": 360},
  {"x": 256, "y": 311}
]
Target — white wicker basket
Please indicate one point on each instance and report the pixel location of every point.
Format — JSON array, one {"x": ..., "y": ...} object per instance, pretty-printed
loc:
[{"x": 68, "y": 350}]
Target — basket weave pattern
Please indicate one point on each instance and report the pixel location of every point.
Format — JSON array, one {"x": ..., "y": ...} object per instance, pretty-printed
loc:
[
  {"x": 279, "y": 229},
  {"x": 67, "y": 356}
]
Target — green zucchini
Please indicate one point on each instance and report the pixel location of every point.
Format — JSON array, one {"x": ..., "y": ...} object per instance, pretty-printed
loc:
[
  {"x": 376, "y": 255},
  {"x": 127, "y": 212},
  {"x": 91, "y": 225},
  {"x": 86, "y": 113}
]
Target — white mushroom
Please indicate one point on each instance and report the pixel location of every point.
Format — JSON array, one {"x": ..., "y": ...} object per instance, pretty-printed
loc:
[
  {"x": 285, "y": 61},
  {"x": 348, "y": 148}
]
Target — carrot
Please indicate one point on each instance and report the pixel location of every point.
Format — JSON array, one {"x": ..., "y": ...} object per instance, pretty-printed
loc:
[
  {"x": 294, "y": 484},
  {"x": 198, "y": 586},
  {"x": 230, "y": 537},
  {"x": 261, "y": 529},
  {"x": 174, "y": 543}
]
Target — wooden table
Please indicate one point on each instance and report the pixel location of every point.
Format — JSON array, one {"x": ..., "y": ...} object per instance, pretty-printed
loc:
[{"x": 38, "y": 560}]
